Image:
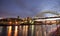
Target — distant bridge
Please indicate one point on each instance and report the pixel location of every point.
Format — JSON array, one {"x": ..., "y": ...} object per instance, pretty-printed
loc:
[{"x": 42, "y": 14}]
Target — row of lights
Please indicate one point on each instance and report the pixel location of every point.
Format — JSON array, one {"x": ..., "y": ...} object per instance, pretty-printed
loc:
[
  {"x": 12, "y": 22},
  {"x": 48, "y": 22},
  {"x": 32, "y": 22}
]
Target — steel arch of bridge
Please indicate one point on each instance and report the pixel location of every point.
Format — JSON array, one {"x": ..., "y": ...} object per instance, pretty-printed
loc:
[{"x": 41, "y": 14}]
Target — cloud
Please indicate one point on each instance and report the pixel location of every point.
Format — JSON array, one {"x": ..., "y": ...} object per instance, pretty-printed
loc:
[{"x": 27, "y": 7}]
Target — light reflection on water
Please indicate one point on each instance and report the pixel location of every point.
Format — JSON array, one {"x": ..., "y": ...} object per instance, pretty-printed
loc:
[
  {"x": 9, "y": 30},
  {"x": 16, "y": 31},
  {"x": 22, "y": 30}
]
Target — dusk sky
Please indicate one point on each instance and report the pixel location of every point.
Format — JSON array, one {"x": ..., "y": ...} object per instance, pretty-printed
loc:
[{"x": 26, "y": 8}]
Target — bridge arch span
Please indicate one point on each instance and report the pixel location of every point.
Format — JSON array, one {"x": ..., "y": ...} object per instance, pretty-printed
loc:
[{"x": 42, "y": 14}]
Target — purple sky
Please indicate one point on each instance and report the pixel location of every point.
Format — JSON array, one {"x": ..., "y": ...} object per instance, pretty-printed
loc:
[{"x": 25, "y": 8}]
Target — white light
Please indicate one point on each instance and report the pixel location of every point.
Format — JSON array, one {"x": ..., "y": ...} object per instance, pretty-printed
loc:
[
  {"x": 47, "y": 19},
  {"x": 53, "y": 19}
]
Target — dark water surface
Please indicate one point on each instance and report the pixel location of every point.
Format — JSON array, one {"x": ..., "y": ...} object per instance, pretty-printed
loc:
[{"x": 26, "y": 30}]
